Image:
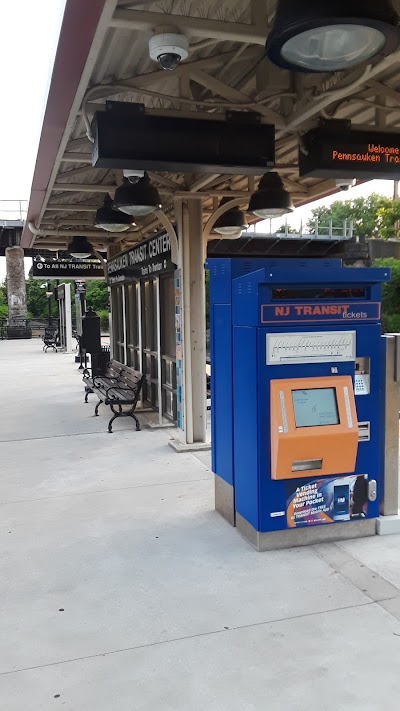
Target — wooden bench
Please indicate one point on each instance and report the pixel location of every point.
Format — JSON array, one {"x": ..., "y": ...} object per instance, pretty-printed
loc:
[{"x": 120, "y": 387}]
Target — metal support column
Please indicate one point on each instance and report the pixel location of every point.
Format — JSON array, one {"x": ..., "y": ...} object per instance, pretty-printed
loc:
[
  {"x": 159, "y": 362},
  {"x": 110, "y": 322},
  {"x": 112, "y": 250},
  {"x": 124, "y": 323},
  {"x": 68, "y": 318},
  {"x": 190, "y": 226},
  {"x": 389, "y": 521},
  {"x": 138, "y": 288}
]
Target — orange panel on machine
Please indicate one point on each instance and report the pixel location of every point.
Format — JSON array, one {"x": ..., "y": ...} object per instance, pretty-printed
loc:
[{"x": 314, "y": 427}]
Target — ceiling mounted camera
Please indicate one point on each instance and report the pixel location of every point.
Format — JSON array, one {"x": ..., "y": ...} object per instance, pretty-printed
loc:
[
  {"x": 345, "y": 183},
  {"x": 168, "y": 49}
]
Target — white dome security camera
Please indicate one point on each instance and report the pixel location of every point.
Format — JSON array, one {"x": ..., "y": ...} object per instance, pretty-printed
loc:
[
  {"x": 168, "y": 49},
  {"x": 133, "y": 175},
  {"x": 345, "y": 183}
]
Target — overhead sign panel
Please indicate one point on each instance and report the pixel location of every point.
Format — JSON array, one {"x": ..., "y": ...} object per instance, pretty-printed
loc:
[
  {"x": 67, "y": 269},
  {"x": 127, "y": 137},
  {"x": 352, "y": 154},
  {"x": 149, "y": 258}
]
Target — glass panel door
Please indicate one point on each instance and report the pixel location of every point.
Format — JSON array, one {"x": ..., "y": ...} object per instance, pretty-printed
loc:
[
  {"x": 132, "y": 325},
  {"x": 149, "y": 342},
  {"x": 168, "y": 346},
  {"x": 118, "y": 323}
]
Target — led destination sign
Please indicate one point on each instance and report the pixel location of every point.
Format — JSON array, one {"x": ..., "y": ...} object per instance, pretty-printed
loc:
[
  {"x": 374, "y": 154},
  {"x": 356, "y": 154}
]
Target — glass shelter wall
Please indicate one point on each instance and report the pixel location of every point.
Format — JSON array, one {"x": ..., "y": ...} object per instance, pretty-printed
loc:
[
  {"x": 118, "y": 323},
  {"x": 168, "y": 346},
  {"x": 143, "y": 324},
  {"x": 132, "y": 305}
]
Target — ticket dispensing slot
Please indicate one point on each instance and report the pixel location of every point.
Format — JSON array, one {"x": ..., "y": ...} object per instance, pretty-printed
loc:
[{"x": 314, "y": 427}]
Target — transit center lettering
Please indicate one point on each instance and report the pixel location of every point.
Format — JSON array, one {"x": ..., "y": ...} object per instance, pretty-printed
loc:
[
  {"x": 153, "y": 256},
  {"x": 152, "y": 248},
  {"x": 374, "y": 153}
]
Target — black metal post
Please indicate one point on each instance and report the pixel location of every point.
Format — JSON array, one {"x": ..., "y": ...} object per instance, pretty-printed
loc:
[{"x": 49, "y": 304}]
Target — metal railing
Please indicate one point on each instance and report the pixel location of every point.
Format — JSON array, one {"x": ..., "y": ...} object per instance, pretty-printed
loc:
[
  {"x": 35, "y": 326},
  {"x": 14, "y": 328},
  {"x": 315, "y": 230},
  {"x": 13, "y": 210}
]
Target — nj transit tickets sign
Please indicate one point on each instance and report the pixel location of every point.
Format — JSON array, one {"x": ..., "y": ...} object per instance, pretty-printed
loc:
[{"x": 321, "y": 312}]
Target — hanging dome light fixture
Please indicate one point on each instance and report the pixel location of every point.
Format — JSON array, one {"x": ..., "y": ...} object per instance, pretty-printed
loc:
[
  {"x": 80, "y": 248},
  {"x": 137, "y": 199},
  {"x": 314, "y": 36},
  {"x": 112, "y": 220},
  {"x": 271, "y": 199},
  {"x": 232, "y": 223}
]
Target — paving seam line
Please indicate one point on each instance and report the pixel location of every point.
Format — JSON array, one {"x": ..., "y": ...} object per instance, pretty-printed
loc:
[
  {"x": 356, "y": 570},
  {"x": 193, "y": 636},
  {"x": 104, "y": 491}
]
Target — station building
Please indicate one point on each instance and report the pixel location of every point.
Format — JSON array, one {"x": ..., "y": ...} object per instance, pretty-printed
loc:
[{"x": 190, "y": 156}]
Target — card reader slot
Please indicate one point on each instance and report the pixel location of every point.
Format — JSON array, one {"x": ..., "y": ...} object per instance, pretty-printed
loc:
[
  {"x": 364, "y": 431},
  {"x": 307, "y": 465}
]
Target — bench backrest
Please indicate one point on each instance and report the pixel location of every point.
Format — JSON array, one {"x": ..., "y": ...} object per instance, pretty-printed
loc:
[
  {"x": 130, "y": 377},
  {"x": 114, "y": 369},
  {"x": 125, "y": 374}
]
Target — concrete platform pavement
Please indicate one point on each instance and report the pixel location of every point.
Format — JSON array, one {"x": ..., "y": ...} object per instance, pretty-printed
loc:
[{"x": 122, "y": 590}]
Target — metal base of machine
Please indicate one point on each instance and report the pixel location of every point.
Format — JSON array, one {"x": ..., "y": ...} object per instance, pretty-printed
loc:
[
  {"x": 305, "y": 536},
  {"x": 388, "y": 525},
  {"x": 225, "y": 500},
  {"x": 180, "y": 447}
]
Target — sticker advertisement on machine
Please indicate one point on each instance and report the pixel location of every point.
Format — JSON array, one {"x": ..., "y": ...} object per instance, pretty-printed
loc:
[{"x": 329, "y": 500}]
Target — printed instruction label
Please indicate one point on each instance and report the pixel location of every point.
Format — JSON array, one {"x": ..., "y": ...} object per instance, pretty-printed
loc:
[{"x": 310, "y": 347}]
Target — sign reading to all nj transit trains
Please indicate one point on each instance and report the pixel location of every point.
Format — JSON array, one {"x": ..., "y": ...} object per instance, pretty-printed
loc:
[
  {"x": 352, "y": 154},
  {"x": 67, "y": 269}
]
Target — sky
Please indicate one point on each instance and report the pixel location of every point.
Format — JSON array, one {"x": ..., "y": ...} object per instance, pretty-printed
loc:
[{"x": 29, "y": 37}]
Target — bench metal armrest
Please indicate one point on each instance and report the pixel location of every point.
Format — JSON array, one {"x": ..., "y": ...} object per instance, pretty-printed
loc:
[
  {"x": 135, "y": 390},
  {"x": 103, "y": 377},
  {"x": 121, "y": 387}
]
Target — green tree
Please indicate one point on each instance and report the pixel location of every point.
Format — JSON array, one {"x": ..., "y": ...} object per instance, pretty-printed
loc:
[
  {"x": 97, "y": 294},
  {"x": 3, "y": 302},
  {"x": 36, "y": 299},
  {"x": 287, "y": 228},
  {"x": 373, "y": 216},
  {"x": 390, "y": 296},
  {"x": 389, "y": 220}
]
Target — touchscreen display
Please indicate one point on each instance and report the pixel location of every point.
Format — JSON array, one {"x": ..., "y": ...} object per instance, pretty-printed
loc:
[{"x": 315, "y": 408}]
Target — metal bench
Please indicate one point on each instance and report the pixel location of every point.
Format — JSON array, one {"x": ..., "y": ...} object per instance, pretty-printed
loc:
[
  {"x": 50, "y": 339},
  {"x": 120, "y": 387}
]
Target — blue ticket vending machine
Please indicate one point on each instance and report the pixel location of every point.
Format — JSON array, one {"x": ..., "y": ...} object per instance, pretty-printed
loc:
[{"x": 297, "y": 398}]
